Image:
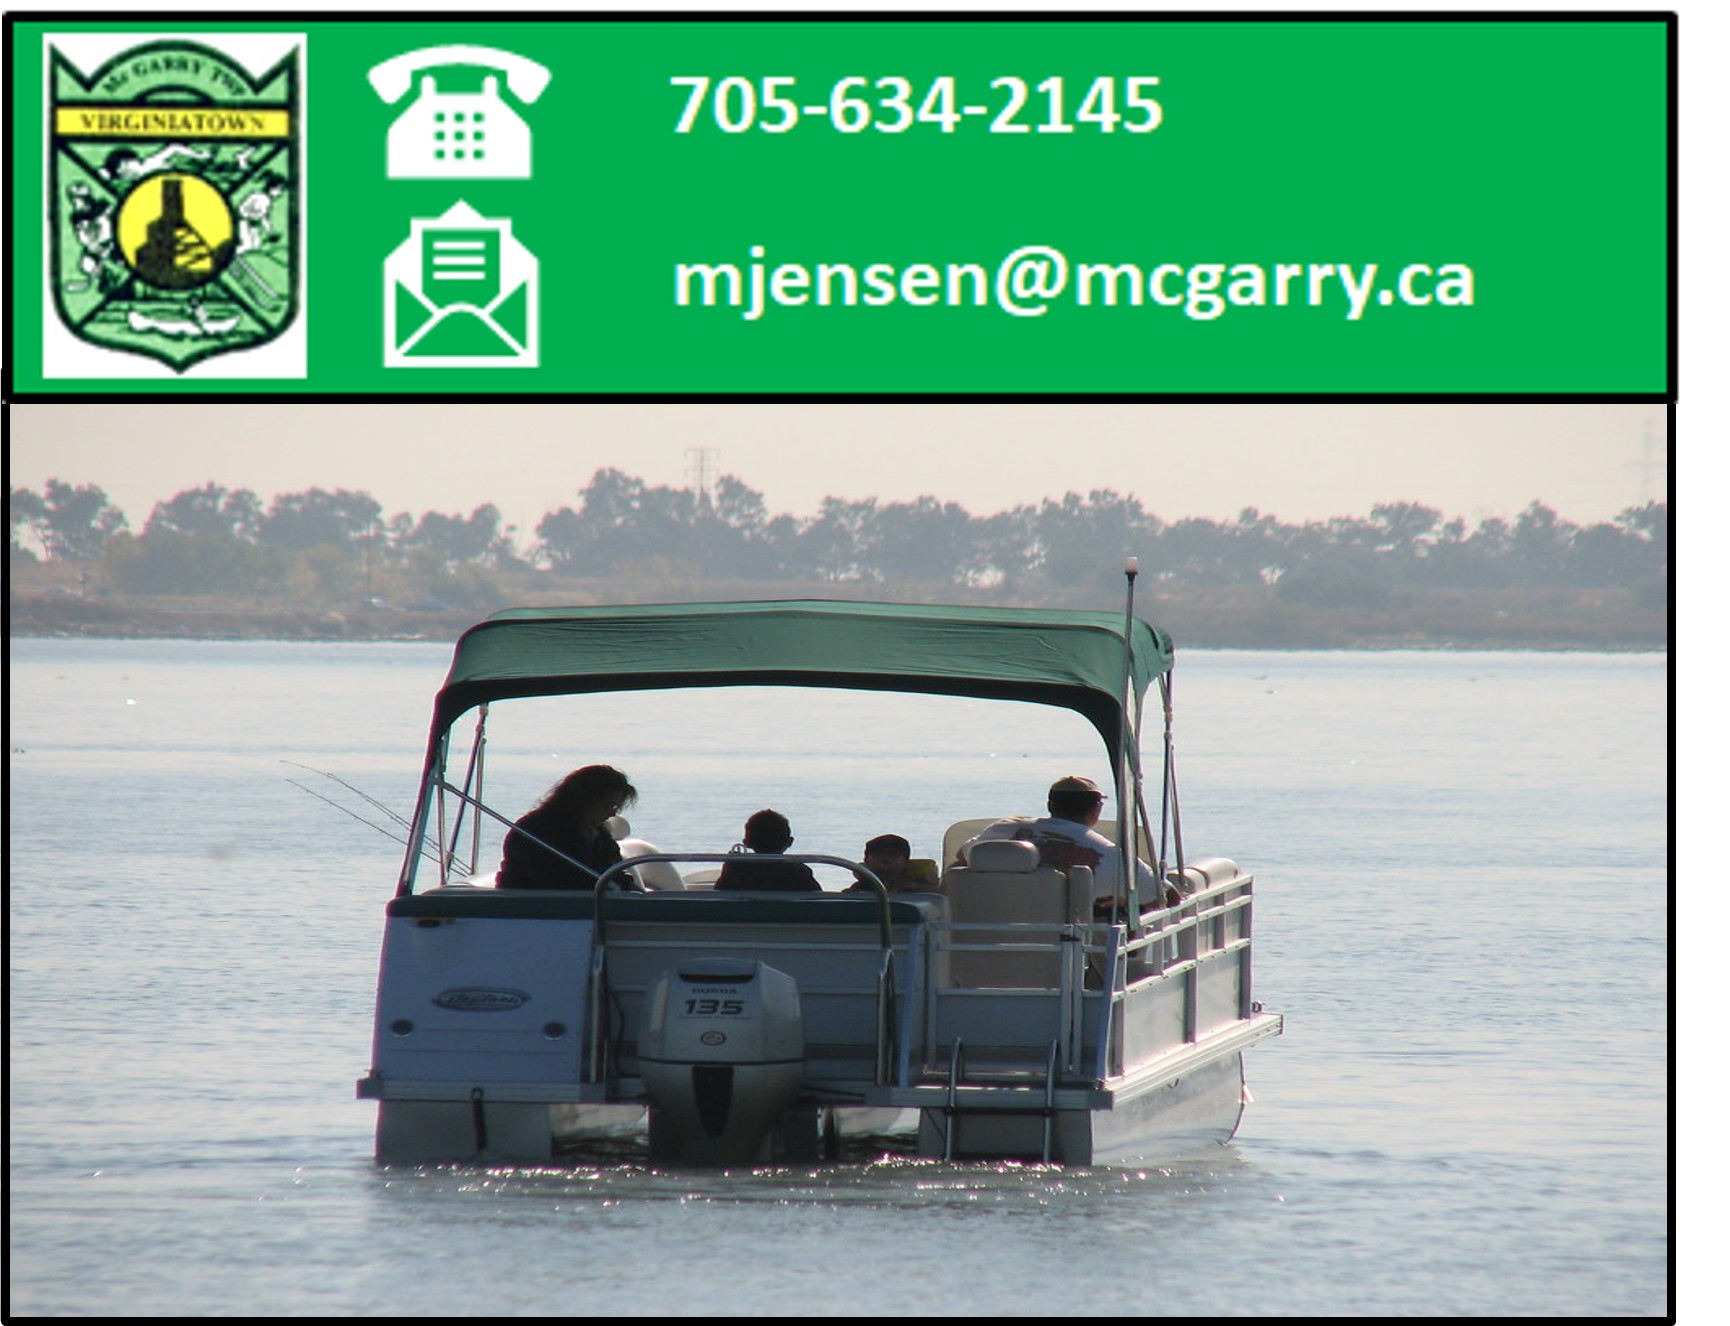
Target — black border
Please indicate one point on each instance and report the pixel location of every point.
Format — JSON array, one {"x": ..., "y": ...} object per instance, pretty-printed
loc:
[{"x": 122, "y": 396}]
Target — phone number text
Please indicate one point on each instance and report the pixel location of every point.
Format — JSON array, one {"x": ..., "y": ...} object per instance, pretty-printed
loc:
[{"x": 892, "y": 105}]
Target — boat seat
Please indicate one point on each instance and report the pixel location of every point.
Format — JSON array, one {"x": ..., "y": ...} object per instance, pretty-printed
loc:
[
  {"x": 1003, "y": 883},
  {"x": 1004, "y": 856},
  {"x": 1204, "y": 873},
  {"x": 960, "y": 831}
]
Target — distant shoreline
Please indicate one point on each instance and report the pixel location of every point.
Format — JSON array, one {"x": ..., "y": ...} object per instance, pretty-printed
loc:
[{"x": 1434, "y": 626}]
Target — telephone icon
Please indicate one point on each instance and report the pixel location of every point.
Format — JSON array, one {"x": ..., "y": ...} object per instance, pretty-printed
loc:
[{"x": 459, "y": 135}]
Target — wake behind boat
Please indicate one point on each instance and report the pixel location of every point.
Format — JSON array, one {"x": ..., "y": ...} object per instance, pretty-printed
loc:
[{"x": 1002, "y": 1014}]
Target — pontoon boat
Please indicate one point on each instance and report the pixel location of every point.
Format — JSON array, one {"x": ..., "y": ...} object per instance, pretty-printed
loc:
[{"x": 1000, "y": 1015}]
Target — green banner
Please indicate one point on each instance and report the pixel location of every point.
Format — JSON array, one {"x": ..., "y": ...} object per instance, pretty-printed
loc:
[{"x": 571, "y": 207}]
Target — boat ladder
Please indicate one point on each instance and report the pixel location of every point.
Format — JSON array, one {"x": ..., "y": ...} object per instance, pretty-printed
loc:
[{"x": 953, "y": 1109}]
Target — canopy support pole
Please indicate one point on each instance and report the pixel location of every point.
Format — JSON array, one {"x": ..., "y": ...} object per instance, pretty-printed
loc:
[
  {"x": 448, "y": 850},
  {"x": 1128, "y": 766},
  {"x": 1168, "y": 805}
]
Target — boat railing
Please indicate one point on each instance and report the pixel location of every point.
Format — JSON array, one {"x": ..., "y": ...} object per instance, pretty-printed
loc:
[
  {"x": 1106, "y": 999},
  {"x": 1191, "y": 963},
  {"x": 1019, "y": 991},
  {"x": 1185, "y": 970},
  {"x": 886, "y": 1061},
  {"x": 1210, "y": 922}
]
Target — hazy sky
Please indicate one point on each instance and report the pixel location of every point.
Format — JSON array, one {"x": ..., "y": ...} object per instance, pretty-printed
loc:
[{"x": 1296, "y": 462}]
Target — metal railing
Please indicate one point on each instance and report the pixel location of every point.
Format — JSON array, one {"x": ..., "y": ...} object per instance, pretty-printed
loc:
[
  {"x": 1172, "y": 945},
  {"x": 599, "y": 1064}
]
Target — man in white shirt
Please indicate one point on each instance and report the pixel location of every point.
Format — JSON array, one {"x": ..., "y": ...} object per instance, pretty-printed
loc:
[{"x": 1066, "y": 838}]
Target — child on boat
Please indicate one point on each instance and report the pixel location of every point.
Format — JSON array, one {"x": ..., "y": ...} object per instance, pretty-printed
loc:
[
  {"x": 769, "y": 832},
  {"x": 890, "y": 857}
]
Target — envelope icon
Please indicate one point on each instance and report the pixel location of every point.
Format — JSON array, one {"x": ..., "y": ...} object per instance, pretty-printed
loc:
[{"x": 461, "y": 292}]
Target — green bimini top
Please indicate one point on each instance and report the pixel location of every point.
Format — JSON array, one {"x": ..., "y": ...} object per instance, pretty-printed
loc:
[{"x": 1071, "y": 659}]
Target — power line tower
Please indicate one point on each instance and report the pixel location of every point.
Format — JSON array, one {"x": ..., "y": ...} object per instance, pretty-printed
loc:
[
  {"x": 1652, "y": 463},
  {"x": 700, "y": 469}
]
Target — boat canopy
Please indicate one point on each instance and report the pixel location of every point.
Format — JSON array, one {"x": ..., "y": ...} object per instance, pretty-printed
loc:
[{"x": 1072, "y": 659}]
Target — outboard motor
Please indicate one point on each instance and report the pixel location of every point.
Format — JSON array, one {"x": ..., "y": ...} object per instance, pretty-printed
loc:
[{"x": 722, "y": 1059}]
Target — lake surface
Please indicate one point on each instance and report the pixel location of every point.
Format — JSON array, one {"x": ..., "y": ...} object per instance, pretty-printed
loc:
[{"x": 1462, "y": 910}]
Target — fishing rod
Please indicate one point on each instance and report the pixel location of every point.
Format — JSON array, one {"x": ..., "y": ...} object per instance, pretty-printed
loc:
[
  {"x": 364, "y": 796},
  {"x": 403, "y": 841}
]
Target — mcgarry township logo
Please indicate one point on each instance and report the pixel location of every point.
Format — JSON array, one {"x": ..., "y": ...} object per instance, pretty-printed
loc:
[{"x": 174, "y": 201}]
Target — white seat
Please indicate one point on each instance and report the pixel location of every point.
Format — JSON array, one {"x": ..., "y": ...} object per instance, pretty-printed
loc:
[
  {"x": 959, "y": 832},
  {"x": 1004, "y": 856},
  {"x": 703, "y": 877},
  {"x": 1003, "y": 883},
  {"x": 656, "y": 875}
]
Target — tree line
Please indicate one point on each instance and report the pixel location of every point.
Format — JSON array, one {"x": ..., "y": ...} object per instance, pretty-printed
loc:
[{"x": 219, "y": 540}]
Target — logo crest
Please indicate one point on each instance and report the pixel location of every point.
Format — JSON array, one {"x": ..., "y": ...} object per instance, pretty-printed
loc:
[
  {"x": 479, "y": 999},
  {"x": 174, "y": 201}
]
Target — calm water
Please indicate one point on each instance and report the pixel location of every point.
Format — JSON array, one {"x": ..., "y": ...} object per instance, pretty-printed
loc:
[{"x": 1462, "y": 909}]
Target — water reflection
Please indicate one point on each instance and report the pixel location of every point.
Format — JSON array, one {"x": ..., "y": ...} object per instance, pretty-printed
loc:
[{"x": 888, "y": 1179}]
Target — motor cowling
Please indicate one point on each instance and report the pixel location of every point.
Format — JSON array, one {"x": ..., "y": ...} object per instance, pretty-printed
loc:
[{"x": 723, "y": 1058}]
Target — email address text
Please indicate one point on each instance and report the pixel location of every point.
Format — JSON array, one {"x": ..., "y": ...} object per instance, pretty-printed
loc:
[{"x": 1034, "y": 279}]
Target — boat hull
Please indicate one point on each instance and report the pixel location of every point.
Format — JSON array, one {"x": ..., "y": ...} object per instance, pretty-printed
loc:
[{"x": 1169, "y": 1121}]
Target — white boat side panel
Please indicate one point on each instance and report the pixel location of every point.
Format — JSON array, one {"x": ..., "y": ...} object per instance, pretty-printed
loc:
[
  {"x": 1151, "y": 1021},
  {"x": 481, "y": 999},
  {"x": 1219, "y": 991}
]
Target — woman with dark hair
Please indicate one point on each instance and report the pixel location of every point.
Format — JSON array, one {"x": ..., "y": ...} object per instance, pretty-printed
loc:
[{"x": 571, "y": 818}]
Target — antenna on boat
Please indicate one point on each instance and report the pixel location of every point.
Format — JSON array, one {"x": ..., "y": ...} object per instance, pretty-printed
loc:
[{"x": 1128, "y": 770}]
